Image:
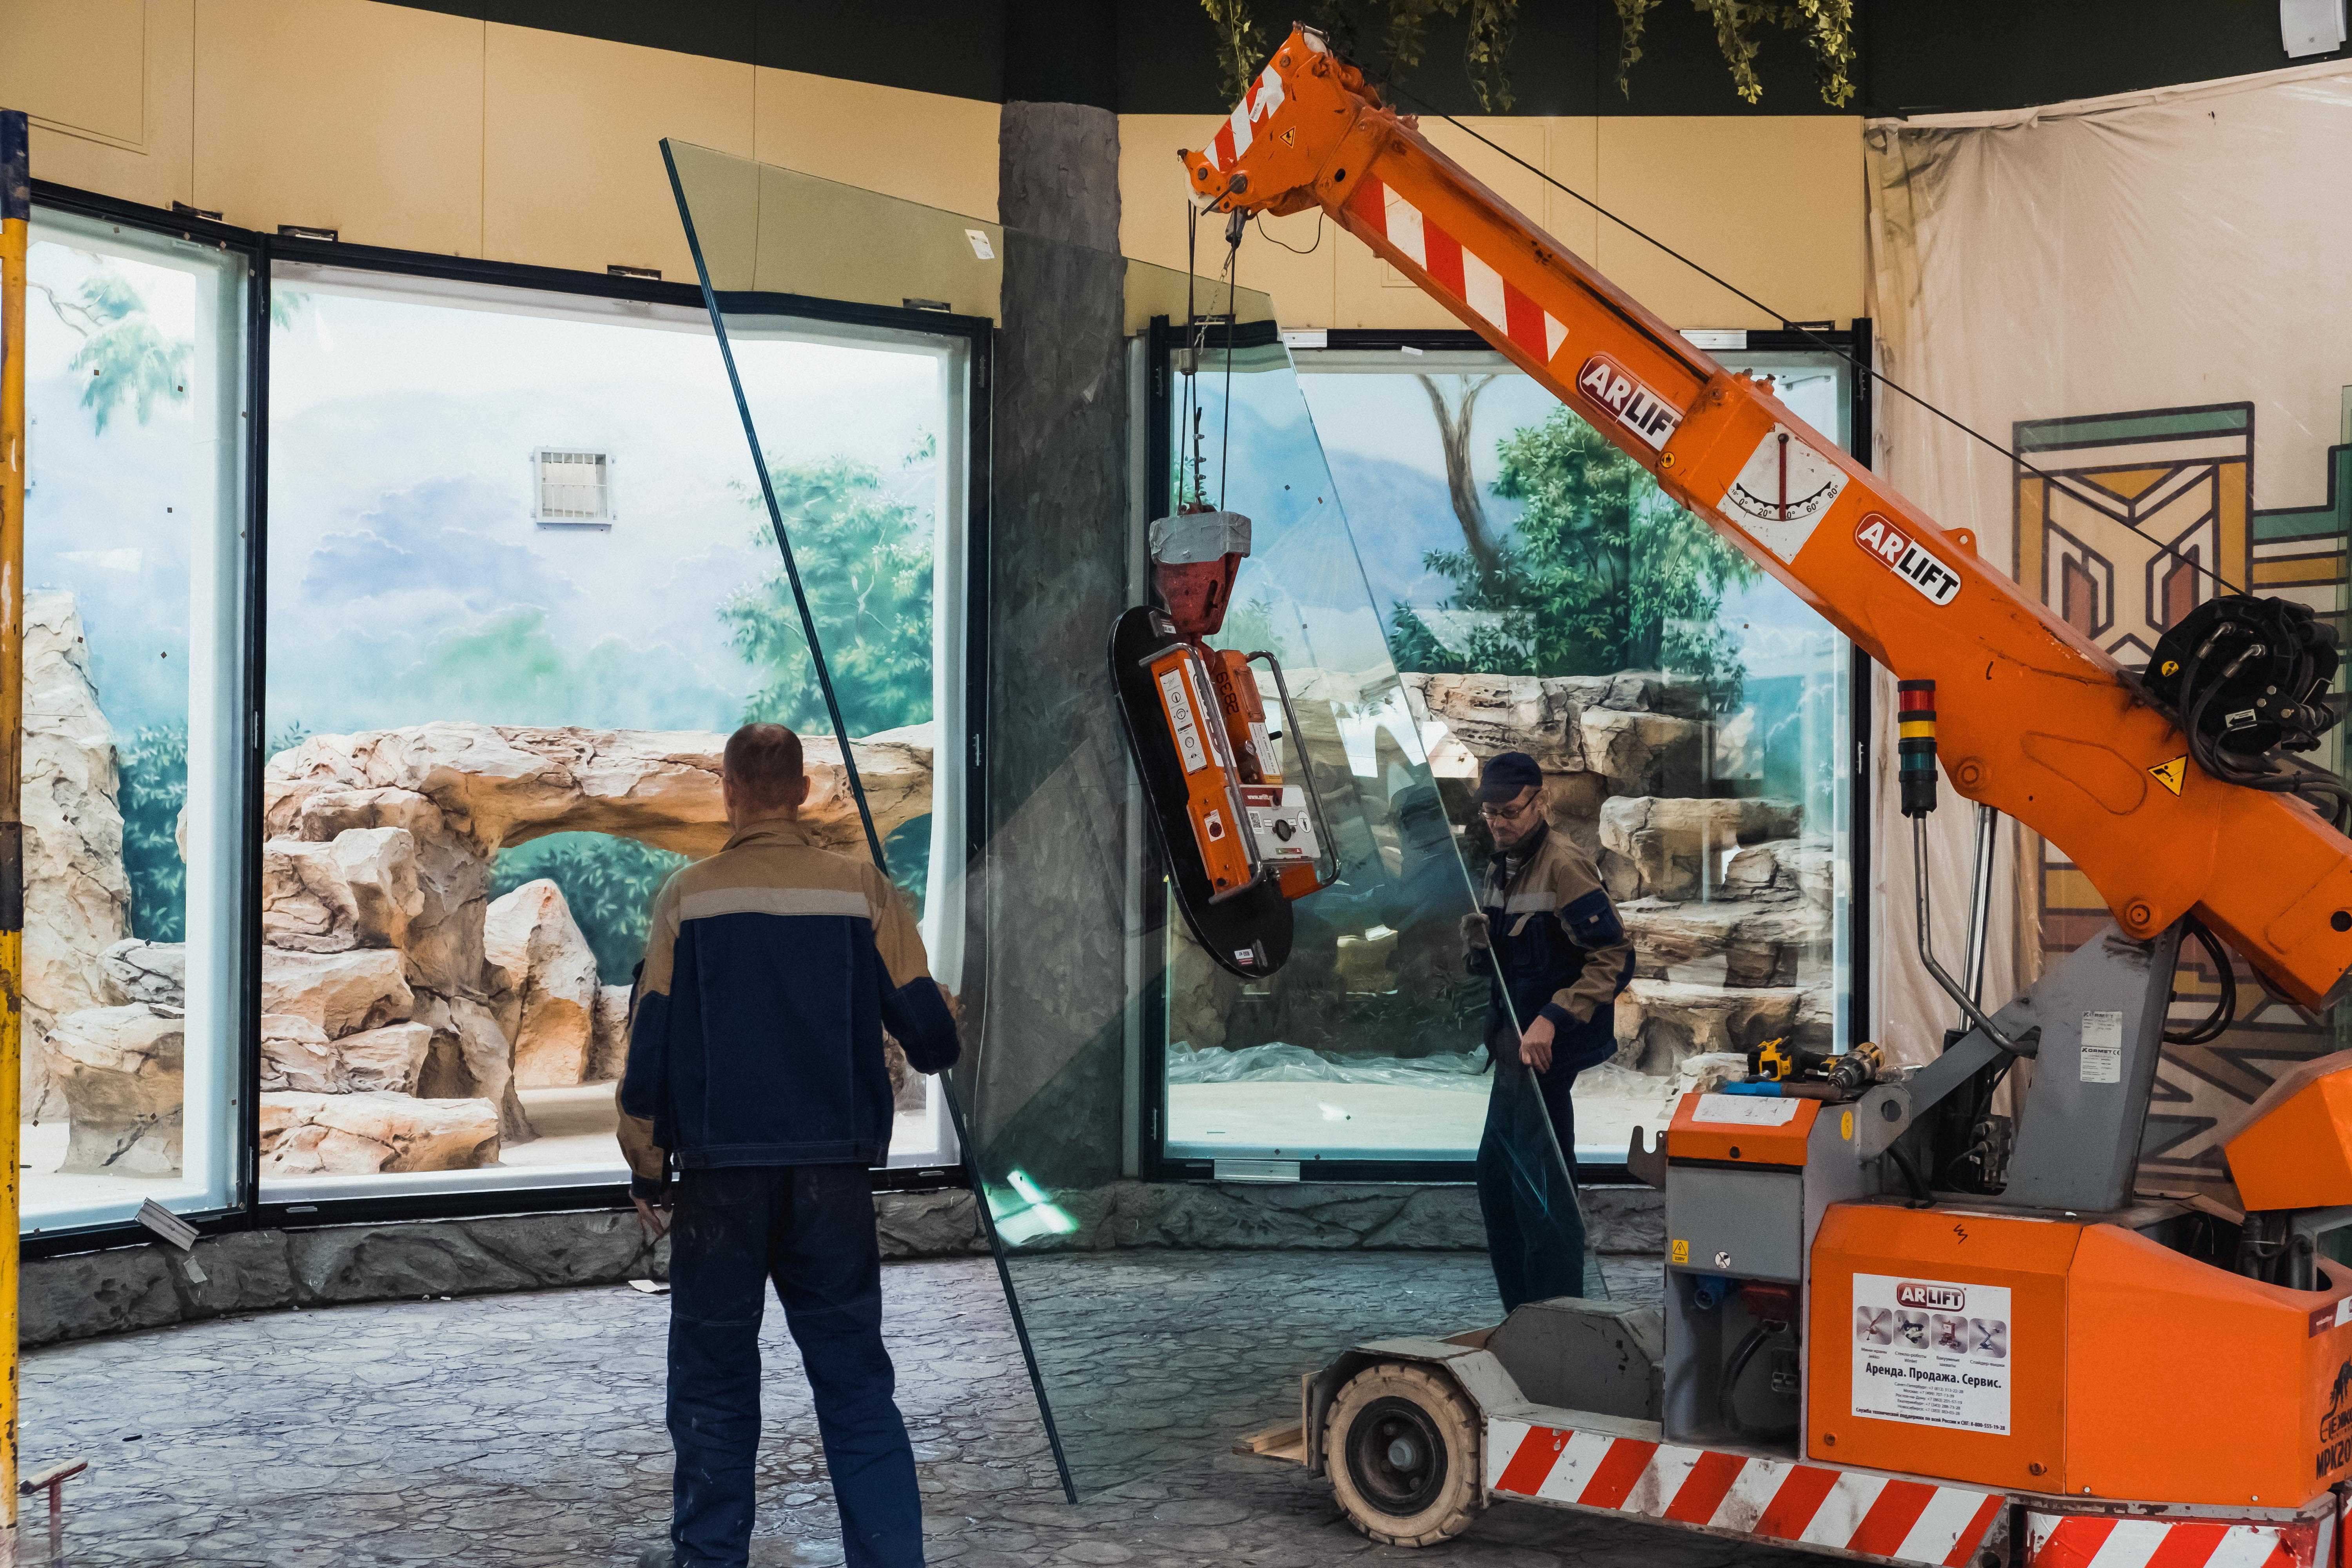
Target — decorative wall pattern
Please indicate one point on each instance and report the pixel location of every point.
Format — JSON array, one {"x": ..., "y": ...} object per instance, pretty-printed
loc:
[{"x": 2124, "y": 520}]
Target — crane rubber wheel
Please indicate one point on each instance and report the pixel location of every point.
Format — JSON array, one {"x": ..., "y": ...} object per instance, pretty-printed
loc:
[{"x": 1402, "y": 1445}]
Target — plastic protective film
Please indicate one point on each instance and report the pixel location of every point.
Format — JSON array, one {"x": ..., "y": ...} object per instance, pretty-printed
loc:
[{"x": 1170, "y": 1292}]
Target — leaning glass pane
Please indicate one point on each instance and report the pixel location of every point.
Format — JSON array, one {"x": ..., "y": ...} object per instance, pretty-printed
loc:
[
  {"x": 135, "y": 513},
  {"x": 1167, "y": 1309}
]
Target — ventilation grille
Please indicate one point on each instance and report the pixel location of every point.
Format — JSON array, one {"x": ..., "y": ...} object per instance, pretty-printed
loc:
[{"x": 572, "y": 489}]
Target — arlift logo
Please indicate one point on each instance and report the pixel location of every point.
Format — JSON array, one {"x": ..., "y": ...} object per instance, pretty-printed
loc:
[
  {"x": 1901, "y": 554},
  {"x": 1637, "y": 409},
  {"x": 1937, "y": 1298}
]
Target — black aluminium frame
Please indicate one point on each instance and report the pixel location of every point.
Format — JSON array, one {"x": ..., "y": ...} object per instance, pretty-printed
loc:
[
  {"x": 1857, "y": 345},
  {"x": 248, "y": 1211}
]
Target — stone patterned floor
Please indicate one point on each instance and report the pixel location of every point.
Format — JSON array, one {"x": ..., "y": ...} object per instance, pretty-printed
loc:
[{"x": 526, "y": 1430}]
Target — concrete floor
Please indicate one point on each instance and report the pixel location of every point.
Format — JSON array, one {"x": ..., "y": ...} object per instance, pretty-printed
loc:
[{"x": 526, "y": 1429}]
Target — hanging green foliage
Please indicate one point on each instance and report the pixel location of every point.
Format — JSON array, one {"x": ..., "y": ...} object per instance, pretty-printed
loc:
[
  {"x": 1241, "y": 44},
  {"x": 1827, "y": 26},
  {"x": 865, "y": 556}
]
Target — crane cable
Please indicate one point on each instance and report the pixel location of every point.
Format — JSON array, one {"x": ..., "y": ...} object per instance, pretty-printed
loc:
[{"x": 2186, "y": 558}]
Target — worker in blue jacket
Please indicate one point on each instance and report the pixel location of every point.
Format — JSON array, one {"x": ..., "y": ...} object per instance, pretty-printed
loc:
[
  {"x": 1556, "y": 957},
  {"x": 756, "y": 1099}
]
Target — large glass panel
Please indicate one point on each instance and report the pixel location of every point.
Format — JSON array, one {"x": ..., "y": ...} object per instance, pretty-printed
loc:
[
  {"x": 521, "y": 589},
  {"x": 1368, "y": 1045},
  {"x": 134, "y": 570},
  {"x": 1067, "y": 959},
  {"x": 1688, "y": 711}
]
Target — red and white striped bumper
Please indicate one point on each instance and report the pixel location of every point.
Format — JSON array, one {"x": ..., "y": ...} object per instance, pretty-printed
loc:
[
  {"x": 2085, "y": 1541},
  {"x": 1819, "y": 1506}
]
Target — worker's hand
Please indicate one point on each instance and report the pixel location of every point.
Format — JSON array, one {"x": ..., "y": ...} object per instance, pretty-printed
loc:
[
  {"x": 954, "y": 1002},
  {"x": 654, "y": 1217},
  {"x": 1473, "y": 932},
  {"x": 1535, "y": 1045}
]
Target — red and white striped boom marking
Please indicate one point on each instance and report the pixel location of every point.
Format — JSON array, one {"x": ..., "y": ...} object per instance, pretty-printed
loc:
[
  {"x": 1458, "y": 271},
  {"x": 2082, "y": 1540},
  {"x": 1234, "y": 136},
  {"x": 1775, "y": 1499}
]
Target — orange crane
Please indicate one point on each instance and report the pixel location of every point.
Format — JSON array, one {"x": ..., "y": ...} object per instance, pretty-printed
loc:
[{"x": 1896, "y": 1326}]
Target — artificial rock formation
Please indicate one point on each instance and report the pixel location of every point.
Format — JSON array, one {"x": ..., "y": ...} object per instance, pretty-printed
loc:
[
  {"x": 1662, "y": 1023},
  {"x": 542, "y": 980},
  {"x": 358, "y": 888},
  {"x": 1654, "y": 848},
  {"x": 340, "y": 992},
  {"x": 77, "y": 898},
  {"x": 121, "y": 1071},
  {"x": 608, "y": 1047},
  {"x": 380, "y": 930},
  {"x": 296, "y": 1055},
  {"x": 146, "y": 971},
  {"x": 1594, "y": 737},
  {"x": 358, "y": 1133},
  {"x": 1727, "y": 902}
]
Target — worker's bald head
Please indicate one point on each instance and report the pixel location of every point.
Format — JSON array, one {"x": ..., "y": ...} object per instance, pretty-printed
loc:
[{"x": 762, "y": 773}]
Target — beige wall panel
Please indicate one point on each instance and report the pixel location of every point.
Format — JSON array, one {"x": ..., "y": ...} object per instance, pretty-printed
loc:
[
  {"x": 918, "y": 146},
  {"x": 105, "y": 82},
  {"x": 1372, "y": 293},
  {"x": 1572, "y": 156},
  {"x": 571, "y": 164},
  {"x": 1774, "y": 204},
  {"x": 78, "y": 64},
  {"x": 360, "y": 117},
  {"x": 1153, "y": 198}
]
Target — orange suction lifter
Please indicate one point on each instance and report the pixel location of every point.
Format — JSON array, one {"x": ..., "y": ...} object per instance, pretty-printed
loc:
[{"x": 1241, "y": 840}]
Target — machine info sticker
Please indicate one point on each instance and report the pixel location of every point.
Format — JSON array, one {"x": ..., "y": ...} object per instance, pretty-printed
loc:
[
  {"x": 1746, "y": 1110},
  {"x": 2103, "y": 1048},
  {"x": 1931, "y": 1352}
]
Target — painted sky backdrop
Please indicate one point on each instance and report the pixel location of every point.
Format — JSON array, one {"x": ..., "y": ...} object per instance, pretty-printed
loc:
[
  {"x": 402, "y": 545},
  {"x": 107, "y": 513}
]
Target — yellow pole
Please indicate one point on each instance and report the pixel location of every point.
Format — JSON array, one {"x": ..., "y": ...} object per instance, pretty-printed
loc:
[{"x": 15, "y": 221}]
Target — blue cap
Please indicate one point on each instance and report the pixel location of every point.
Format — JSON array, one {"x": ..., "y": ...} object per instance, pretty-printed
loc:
[{"x": 1505, "y": 775}]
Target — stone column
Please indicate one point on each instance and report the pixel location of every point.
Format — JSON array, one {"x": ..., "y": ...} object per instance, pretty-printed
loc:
[{"x": 1045, "y": 906}]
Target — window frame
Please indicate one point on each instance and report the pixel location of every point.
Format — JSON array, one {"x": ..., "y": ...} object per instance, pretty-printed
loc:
[
  {"x": 261, "y": 252},
  {"x": 244, "y": 1125},
  {"x": 1857, "y": 345}
]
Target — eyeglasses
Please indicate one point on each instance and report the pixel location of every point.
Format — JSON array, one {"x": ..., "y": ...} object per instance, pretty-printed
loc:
[{"x": 1509, "y": 813}]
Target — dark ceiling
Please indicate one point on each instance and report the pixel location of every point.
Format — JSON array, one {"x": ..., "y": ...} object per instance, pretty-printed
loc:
[{"x": 1147, "y": 57}]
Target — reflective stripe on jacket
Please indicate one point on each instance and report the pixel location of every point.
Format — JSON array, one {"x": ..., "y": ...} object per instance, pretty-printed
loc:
[
  {"x": 755, "y": 1038},
  {"x": 1559, "y": 945}
]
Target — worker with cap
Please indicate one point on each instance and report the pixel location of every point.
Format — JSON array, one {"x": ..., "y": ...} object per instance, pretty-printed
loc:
[{"x": 1557, "y": 955}]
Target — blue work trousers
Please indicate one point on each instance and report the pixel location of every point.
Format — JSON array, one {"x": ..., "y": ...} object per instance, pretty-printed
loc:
[{"x": 809, "y": 1229}]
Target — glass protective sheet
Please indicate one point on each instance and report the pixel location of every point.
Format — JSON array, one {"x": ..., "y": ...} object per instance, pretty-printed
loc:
[{"x": 1164, "y": 1318}]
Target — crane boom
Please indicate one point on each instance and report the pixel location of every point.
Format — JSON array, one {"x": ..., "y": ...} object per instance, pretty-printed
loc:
[{"x": 2036, "y": 720}]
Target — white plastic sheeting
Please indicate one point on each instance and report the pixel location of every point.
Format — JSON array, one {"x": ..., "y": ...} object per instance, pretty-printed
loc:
[{"x": 2168, "y": 269}]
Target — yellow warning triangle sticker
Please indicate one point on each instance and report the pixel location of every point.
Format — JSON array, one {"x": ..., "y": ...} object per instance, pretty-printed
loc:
[{"x": 2170, "y": 774}]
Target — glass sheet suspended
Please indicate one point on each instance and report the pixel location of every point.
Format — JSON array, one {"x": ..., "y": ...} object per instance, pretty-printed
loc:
[
  {"x": 1643, "y": 660},
  {"x": 1163, "y": 1317}
]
